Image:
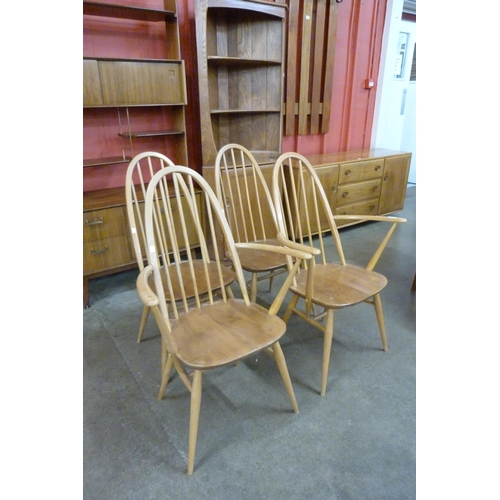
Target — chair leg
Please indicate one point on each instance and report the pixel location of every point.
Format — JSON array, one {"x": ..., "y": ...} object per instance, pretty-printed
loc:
[
  {"x": 253, "y": 288},
  {"x": 290, "y": 308},
  {"x": 271, "y": 279},
  {"x": 327, "y": 349},
  {"x": 285, "y": 375},
  {"x": 194, "y": 418},
  {"x": 377, "y": 302},
  {"x": 145, "y": 314},
  {"x": 165, "y": 376}
]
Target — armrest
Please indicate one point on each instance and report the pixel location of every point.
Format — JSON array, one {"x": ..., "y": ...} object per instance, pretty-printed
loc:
[
  {"x": 146, "y": 294},
  {"x": 297, "y": 246},
  {"x": 299, "y": 254},
  {"x": 377, "y": 218}
]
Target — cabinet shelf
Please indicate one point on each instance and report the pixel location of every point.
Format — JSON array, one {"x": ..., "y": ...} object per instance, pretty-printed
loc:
[
  {"x": 239, "y": 61},
  {"x": 126, "y": 12},
  {"x": 243, "y": 111},
  {"x": 100, "y": 162},
  {"x": 156, "y": 133}
]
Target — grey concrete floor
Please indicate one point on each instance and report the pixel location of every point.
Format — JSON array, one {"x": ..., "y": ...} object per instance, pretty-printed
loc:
[{"x": 358, "y": 442}]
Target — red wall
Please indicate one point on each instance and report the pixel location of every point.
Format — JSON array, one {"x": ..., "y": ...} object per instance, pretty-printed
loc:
[{"x": 357, "y": 56}]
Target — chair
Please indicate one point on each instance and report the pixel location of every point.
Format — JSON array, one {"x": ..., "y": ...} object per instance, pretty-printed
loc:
[
  {"x": 305, "y": 217},
  {"x": 248, "y": 205},
  {"x": 139, "y": 172},
  {"x": 204, "y": 336}
]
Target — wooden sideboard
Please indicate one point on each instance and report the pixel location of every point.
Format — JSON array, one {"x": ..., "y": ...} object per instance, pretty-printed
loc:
[{"x": 365, "y": 182}]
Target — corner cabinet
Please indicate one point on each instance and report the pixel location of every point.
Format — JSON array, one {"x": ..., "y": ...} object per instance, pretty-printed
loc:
[
  {"x": 240, "y": 48},
  {"x": 130, "y": 101}
]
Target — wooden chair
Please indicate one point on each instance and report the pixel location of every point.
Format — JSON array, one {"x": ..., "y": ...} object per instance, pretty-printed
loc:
[
  {"x": 248, "y": 205},
  {"x": 140, "y": 171},
  {"x": 203, "y": 336},
  {"x": 305, "y": 217}
]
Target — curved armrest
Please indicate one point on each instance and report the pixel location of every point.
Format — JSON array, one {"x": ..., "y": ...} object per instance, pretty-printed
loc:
[
  {"x": 146, "y": 294},
  {"x": 299, "y": 254},
  {"x": 377, "y": 218},
  {"x": 297, "y": 246}
]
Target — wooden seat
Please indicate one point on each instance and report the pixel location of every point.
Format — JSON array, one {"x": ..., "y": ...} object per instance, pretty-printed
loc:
[
  {"x": 139, "y": 172},
  {"x": 197, "y": 335},
  {"x": 244, "y": 194},
  {"x": 301, "y": 205}
]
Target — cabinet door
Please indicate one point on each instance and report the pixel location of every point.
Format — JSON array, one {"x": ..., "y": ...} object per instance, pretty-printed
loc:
[
  {"x": 92, "y": 95},
  {"x": 394, "y": 182},
  {"x": 140, "y": 83}
]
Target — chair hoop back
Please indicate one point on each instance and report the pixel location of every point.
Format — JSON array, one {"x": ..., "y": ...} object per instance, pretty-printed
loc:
[
  {"x": 179, "y": 203},
  {"x": 302, "y": 209}
]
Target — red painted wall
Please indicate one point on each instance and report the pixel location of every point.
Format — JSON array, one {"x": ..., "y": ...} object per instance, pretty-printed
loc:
[{"x": 357, "y": 56}]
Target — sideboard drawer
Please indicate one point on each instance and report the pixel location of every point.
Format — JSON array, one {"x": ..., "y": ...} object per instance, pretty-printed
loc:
[
  {"x": 105, "y": 223},
  {"x": 361, "y": 170},
  {"x": 367, "y": 207},
  {"x": 358, "y": 191},
  {"x": 106, "y": 254}
]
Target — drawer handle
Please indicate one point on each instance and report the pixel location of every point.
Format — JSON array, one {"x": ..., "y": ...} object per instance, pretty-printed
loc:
[
  {"x": 102, "y": 250},
  {"x": 372, "y": 208},
  {"x": 345, "y": 194},
  {"x": 347, "y": 172},
  {"x": 377, "y": 168},
  {"x": 94, "y": 223},
  {"x": 374, "y": 188},
  {"x": 386, "y": 176}
]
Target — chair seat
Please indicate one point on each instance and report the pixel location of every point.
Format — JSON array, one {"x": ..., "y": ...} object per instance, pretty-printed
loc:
[
  {"x": 257, "y": 260},
  {"x": 224, "y": 332},
  {"x": 188, "y": 285},
  {"x": 337, "y": 286}
]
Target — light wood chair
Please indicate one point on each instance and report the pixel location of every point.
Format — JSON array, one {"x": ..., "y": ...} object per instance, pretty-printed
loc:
[
  {"x": 203, "y": 336},
  {"x": 243, "y": 192},
  {"x": 139, "y": 172},
  {"x": 302, "y": 207}
]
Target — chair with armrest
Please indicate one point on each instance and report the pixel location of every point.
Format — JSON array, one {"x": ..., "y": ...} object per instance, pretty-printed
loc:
[
  {"x": 139, "y": 172},
  {"x": 302, "y": 207},
  {"x": 201, "y": 336},
  {"x": 244, "y": 194}
]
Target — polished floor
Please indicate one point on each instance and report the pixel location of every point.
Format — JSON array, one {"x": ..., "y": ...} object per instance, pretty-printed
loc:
[{"x": 357, "y": 442}]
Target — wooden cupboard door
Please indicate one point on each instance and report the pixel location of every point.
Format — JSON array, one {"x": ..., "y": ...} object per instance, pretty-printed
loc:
[
  {"x": 394, "y": 181},
  {"x": 361, "y": 170},
  {"x": 128, "y": 83},
  {"x": 92, "y": 95}
]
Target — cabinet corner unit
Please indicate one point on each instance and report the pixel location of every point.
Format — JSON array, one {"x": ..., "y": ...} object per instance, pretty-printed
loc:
[{"x": 240, "y": 47}]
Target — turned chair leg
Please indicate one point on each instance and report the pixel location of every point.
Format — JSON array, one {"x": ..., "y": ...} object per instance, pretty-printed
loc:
[
  {"x": 194, "y": 418},
  {"x": 285, "y": 375},
  {"x": 377, "y": 301},
  {"x": 142, "y": 326},
  {"x": 165, "y": 376},
  {"x": 327, "y": 349}
]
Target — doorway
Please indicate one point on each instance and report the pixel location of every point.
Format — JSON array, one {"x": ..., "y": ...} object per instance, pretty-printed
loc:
[{"x": 394, "y": 125}]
